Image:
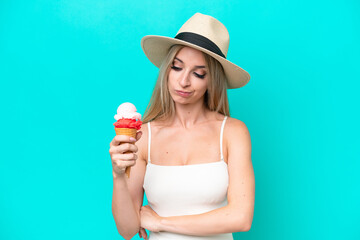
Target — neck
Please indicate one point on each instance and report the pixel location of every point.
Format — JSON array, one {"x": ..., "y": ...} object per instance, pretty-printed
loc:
[{"x": 190, "y": 114}]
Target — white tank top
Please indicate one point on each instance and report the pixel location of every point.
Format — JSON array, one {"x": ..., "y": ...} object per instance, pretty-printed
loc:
[{"x": 186, "y": 190}]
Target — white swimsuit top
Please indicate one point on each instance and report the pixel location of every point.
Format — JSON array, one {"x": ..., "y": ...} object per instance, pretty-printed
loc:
[{"x": 186, "y": 190}]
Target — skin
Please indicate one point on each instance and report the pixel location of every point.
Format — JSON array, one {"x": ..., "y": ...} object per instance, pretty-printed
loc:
[{"x": 195, "y": 124}]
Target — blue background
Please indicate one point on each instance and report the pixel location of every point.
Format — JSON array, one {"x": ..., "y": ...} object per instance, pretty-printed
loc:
[{"x": 65, "y": 66}]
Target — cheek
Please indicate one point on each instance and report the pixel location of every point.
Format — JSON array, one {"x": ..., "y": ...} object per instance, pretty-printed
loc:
[
  {"x": 202, "y": 85},
  {"x": 171, "y": 78},
  {"x": 170, "y": 84}
]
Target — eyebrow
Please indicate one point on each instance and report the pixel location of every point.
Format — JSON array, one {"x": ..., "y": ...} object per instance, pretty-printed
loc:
[{"x": 183, "y": 62}]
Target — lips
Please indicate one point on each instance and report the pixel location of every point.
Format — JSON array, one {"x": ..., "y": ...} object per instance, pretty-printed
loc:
[{"x": 183, "y": 93}]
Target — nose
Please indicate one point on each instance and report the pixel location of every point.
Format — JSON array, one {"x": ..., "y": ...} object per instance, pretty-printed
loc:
[{"x": 184, "y": 80}]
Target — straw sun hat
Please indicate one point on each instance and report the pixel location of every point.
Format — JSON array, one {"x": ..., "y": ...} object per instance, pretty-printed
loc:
[{"x": 204, "y": 33}]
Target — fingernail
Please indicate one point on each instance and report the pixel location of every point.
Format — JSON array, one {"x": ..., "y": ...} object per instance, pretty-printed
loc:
[{"x": 132, "y": 139}]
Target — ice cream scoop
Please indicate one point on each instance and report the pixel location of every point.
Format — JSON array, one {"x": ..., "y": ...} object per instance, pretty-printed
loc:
[{"x": 127, "y": 110}]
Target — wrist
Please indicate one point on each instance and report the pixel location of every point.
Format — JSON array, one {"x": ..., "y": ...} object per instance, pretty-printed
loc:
[
  {"x": 163, "y": 224},
  {"x": 118, "y": 175}
]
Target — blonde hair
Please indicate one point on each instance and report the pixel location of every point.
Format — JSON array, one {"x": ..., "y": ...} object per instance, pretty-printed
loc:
[{"x": 161, "y": 105}]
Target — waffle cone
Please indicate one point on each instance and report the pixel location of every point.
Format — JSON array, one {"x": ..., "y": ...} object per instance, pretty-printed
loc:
[{"x": 128, "y": 132}]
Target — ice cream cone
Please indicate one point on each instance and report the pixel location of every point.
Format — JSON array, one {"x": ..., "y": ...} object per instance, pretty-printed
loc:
[
  {"x": 128, "y": 122},
  {"x": 128, "y": 132}
]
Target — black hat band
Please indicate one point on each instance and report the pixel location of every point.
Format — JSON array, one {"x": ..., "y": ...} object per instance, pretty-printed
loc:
[{"x": 200, "y": 41}]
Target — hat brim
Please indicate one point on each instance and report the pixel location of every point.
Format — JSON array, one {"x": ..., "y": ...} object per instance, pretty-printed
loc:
[{"x": 156, "y": 49}]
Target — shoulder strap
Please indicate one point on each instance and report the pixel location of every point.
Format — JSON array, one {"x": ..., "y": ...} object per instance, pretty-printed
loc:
[
  {"x": 149, "y": 141},
  {"x": 221, "y": 138}
]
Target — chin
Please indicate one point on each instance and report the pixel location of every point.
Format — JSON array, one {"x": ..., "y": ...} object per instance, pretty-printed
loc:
[{"x": 181, "y": 101}]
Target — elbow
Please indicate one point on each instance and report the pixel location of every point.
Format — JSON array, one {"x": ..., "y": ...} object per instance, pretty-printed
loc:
[
  {"x": 127, "y": 236},
  {"x": 246, "y": 227},
  {"x": 244, "y": 224},
  {"x": 126, "y": 229},
  {"x": 127, "y": 232}
]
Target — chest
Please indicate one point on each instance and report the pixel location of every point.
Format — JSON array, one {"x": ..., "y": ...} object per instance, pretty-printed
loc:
[
  {"x": 183, "y": 190},
  {"x": 192, "y": 146}
]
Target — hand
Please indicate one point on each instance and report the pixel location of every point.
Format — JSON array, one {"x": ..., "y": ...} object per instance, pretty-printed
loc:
[
  {"x": 122, "y": 152},
  {"x": 150, "y": 219}
]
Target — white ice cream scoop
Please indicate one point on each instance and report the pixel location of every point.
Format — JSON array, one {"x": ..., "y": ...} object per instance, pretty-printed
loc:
[{"x": 127, "y": 110}]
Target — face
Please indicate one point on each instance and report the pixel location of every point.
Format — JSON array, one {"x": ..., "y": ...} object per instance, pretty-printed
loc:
[{"x": 188, "y": 76}]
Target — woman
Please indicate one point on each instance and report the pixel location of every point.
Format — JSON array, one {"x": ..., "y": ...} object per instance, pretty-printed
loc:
[{"x": 195, "y": 169}]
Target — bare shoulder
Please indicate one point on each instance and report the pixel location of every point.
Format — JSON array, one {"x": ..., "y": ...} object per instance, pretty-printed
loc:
[
  {"x": 237, "y": 137},
  {"x": 235, "y": 126}
]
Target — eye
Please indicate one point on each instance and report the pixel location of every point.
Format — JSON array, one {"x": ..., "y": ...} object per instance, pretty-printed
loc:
[
  {"x": 176, "y": 68},
  {"x": 200, "y": 76}
]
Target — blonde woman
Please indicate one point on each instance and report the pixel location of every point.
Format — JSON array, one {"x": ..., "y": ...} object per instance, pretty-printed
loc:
[{"x": 192, "y": 160}]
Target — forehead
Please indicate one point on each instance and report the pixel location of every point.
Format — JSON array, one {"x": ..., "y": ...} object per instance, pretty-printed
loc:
[{"x": 191, "y": 56}]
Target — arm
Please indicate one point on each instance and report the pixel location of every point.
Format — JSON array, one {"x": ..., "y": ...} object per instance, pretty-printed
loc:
[
  {"x": 124, "y": 212},
  {"x": 238, "y": 214},
  {"x": 128, "y": 195}
]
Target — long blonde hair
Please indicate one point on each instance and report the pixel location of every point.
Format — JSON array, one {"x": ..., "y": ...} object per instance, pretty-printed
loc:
[{"x": 161, "y": 105}]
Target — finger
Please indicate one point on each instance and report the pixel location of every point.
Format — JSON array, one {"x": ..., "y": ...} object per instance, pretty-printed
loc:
[
  {"x": 123, "y": 148},
  {"x": 143, "y": 233},
  {"x": 124, "y": 156},
  {"x": 122, "y": 138},
  {"x": 123, "y": 164},
  {"x": 128, "y": 147},
  {"x": 138, "y": 135}
]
